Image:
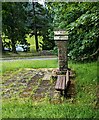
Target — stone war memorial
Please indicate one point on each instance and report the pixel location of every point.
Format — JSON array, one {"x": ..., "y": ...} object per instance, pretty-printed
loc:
[
  {"x": 44, "y": 83},
  {"x": 61, "y": 39}
]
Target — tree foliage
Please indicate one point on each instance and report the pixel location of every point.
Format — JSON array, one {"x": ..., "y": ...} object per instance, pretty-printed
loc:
[
  {"x": 81, "y": 20},
  {"x": 14, "y": 22},
  {"x": 39, "y": 25},
  {"x": 20, "y": 19}
]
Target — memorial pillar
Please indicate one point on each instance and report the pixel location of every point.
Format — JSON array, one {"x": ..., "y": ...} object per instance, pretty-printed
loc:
[{"x": 61, "y": 39}]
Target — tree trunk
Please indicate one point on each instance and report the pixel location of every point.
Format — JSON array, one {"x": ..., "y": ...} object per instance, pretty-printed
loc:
[
  {"x": 35, "y": 29},
  {"x": 13, "y": 47},
  {"x": 1, "y": 46},
  {"x": 36, "y": 42}
]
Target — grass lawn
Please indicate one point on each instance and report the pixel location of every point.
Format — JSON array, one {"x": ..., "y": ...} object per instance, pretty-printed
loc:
[
  {"x": 85, "y": 99},
  {"x": 15, "y": 65}
]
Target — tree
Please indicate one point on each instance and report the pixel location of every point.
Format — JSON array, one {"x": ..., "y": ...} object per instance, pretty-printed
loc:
[
  {"x": 48, "y": 38},
  {"x": 35, "y": 28},
  {"x": 81, "y": 20},
  {"x": 14, "y": 22},
  {"x": 40, "y": 25}
]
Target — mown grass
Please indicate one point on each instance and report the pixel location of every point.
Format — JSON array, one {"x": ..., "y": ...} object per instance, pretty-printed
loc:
[
  {"x": 86, "y": 81},
  {"x": 85, "y": 99},
  {"x": 14, "y": 65},
  {"x": 28, "y": 109}
]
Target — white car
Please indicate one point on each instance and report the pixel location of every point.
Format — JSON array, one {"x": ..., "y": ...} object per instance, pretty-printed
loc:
[
  {"x": 19, "y": 49},
  {"x": 7, "y": 49}
]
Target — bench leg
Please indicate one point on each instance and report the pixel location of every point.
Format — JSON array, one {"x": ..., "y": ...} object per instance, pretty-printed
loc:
[
  {"x": 65, "y": 93},
  {"x": 61, "y": 92},
  {"x": 67, "y": 88}
]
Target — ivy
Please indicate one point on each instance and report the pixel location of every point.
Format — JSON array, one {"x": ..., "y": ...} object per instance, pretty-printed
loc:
[{"x": 82, "y": 21}]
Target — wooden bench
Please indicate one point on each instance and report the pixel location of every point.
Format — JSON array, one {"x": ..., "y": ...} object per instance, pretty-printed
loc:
[{"x": 62, "y": 82}]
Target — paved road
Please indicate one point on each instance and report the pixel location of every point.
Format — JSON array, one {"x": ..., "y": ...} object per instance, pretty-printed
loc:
[{"x": 20, "y": 59}]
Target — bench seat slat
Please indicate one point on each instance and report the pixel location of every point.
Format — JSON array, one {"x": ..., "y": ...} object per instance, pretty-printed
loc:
[
  {"x": 60, "y": 84},
  {"x": 62, "y": 81}
]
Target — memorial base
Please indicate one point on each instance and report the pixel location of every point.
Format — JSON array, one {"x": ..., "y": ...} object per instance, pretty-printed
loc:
[{"x": 61, "y": 72}]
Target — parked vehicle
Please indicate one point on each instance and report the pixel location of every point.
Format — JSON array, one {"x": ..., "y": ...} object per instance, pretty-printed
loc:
[
  {"x": 7, "y": 49},
  {"x": 19, "y": 49},
  {"x": 22, "y": 48}
]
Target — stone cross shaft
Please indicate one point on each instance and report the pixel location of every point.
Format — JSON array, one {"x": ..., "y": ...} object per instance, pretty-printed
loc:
[{"x": 61, "y": 39}]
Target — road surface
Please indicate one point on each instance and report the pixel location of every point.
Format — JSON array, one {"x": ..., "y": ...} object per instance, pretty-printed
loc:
[{"x": 21, "y": 59}]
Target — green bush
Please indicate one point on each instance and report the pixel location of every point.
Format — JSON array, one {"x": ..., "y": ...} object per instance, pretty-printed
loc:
[
  {"x": 55, "y": 51},
  {"x": 81, "y": 20}
]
